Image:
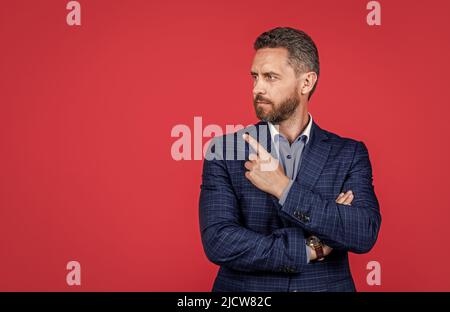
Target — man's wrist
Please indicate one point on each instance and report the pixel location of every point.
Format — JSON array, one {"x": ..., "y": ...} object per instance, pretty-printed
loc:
[
  {"x": 312, "y": 254},
  {"x": 317, "y": 247},
  {"x": 282, "y": 187}
]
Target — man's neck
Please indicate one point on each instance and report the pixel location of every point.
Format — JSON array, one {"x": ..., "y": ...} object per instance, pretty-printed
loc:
[{"x": 296, "y": 124}]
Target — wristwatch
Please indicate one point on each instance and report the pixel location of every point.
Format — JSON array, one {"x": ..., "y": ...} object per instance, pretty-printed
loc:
[{"x": 316, "y": 244}]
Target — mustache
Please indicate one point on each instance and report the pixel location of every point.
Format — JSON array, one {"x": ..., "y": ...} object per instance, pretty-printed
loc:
[{"x": 262, "y": 99}]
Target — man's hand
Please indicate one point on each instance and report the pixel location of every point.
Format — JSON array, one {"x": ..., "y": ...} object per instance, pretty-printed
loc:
[
  {"x": 344, "y": 199},
  {"x": 265, "y": 172}
]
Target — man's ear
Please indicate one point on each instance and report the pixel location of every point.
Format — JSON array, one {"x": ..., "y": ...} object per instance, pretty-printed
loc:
[{"x": 308, "y": 81}]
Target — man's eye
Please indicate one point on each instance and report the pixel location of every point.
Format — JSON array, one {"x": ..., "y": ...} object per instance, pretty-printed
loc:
[{"x": 270, "y": 77}]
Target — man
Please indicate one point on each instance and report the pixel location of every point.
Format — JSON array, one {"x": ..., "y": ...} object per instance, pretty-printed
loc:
[{"x": 284, "y": 216}]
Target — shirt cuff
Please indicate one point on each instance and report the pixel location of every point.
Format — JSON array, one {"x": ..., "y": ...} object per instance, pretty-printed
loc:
[
  {"x": 308, "y": 253},
  {"x": 285, "y": 193}
]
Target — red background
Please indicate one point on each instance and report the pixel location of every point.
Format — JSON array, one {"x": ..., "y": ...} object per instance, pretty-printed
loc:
[{"x": 86, "y": 114}]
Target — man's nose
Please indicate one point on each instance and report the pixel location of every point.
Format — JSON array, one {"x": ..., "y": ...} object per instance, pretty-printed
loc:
[{"x": 258, "y": 88}]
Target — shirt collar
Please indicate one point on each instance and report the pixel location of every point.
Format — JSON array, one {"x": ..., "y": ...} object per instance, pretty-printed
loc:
[{"x": 307, "y": 132}]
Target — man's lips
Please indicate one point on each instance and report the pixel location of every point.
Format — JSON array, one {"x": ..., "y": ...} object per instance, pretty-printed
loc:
[{"x": 261, "y": 102}]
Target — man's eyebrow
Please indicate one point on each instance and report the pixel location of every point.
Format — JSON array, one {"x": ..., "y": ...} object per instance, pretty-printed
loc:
[{"x": 266, "y": 73}]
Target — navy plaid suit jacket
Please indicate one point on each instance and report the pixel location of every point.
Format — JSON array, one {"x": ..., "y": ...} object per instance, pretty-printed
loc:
[{"x": 259, "y": 244}]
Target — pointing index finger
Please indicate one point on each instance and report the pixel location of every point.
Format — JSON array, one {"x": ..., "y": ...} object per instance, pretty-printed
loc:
[{"x": 260, "y": 150}]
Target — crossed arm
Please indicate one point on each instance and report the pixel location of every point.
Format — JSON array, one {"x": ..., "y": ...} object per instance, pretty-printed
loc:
[
  {"x": 353, "y": 228},
  {"x": 227, "y": 242}
]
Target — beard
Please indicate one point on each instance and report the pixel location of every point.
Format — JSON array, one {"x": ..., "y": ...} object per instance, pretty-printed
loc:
[{"x": 278, "y": 113}]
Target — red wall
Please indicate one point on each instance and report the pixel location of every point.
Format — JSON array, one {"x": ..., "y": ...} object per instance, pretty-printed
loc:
[{"x": 86, "y": 114}]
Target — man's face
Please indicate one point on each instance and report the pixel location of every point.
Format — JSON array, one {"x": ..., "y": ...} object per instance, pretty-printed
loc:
[{"x": 275, "y": 86}]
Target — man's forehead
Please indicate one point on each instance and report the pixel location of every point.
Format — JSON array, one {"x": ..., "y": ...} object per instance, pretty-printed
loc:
[{"x": 270, "y": 59}]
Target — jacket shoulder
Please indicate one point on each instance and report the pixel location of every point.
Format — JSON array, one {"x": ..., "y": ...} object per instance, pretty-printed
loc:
[
  {"x": 343, "y": 144},
  {"x": 231, "y": 146}
]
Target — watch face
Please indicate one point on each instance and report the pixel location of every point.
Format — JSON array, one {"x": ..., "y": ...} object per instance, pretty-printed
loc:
[{"x": 313, "y": 240}]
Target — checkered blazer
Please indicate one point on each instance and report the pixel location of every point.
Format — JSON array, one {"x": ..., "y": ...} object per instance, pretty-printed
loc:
[{"x": 259, "y": 244}]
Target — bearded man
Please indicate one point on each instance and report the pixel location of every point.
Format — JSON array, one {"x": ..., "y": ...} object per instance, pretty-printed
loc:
[{"x": 285, "y": 215}]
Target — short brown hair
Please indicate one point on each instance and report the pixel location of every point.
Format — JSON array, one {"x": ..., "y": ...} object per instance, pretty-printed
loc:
[{"x": 302, "y": 51}]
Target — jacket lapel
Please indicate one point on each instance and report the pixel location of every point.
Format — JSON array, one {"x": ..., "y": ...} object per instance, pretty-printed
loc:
[
  {"x": 315, "y": 157},
  {"x": 315, "y": 154}
]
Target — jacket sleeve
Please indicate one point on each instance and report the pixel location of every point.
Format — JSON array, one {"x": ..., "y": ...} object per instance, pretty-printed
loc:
[
  {"x": 225, "y": 239},
  {"x": 354, "y": 228}
]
